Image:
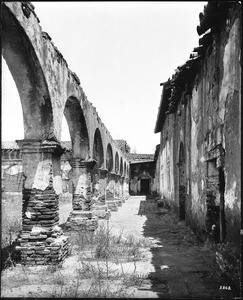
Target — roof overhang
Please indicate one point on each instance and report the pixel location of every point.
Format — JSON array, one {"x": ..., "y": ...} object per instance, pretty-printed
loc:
[
  {"x": 141, "y": 161},
  {"x": 163, "y": 106}
]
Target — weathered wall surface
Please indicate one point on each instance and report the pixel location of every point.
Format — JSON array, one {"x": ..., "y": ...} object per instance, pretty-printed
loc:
[
  {"x": 49, "y": 91},
  {"x": 12, "y": 185},
  {"x": 201, "y": 139},
  {"x": 12, "y": 175},
  {"x": 215, "y": 118},
  {"x": 57, "y": 86}
]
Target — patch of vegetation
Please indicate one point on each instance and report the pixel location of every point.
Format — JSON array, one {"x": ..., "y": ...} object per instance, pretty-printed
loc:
[
  {"x": 9, "y": 257},
  {"x": 98, "y": 273},
  {"x": 103, "y": 245}
]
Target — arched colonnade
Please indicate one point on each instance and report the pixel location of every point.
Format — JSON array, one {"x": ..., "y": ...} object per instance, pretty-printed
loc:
[{"x": 49, "y": 91}]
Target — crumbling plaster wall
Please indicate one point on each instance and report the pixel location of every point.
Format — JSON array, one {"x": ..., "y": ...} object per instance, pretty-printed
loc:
[
  {"x": 210, "y": 117},
  {"x": 166, "y": 164},
  {"x": 61, "y": 81},
  {"x": 215, "y": 118}
]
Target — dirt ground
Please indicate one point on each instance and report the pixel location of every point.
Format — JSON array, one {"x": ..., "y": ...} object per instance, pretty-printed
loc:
[{"x": 170, "y": 263}]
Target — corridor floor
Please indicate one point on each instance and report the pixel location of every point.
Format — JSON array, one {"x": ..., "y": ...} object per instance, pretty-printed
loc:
[
  {"x": 180, "y": 266},
  {"x": 173, "y": 264}
]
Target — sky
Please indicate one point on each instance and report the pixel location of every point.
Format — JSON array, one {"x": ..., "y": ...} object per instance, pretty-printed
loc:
[{"x": 121, "y": 52}]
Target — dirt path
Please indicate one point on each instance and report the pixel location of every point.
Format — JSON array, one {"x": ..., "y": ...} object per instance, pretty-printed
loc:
[
  {"x": 155, "y": 256},
  {"x": 180, "y": 266}
]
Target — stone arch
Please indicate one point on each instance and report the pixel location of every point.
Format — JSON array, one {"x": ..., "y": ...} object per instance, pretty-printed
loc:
[
  {"x": 25, "y": 67},
  {"x": 121, "y": 166},
  {"x": 77, "y": 128},
  {"x": 182, "y": 183},
  {"x": 5, "y": 154},
  {"x": 98, "y": 152},
  {"x": 116, "y": 163},
  {"x": 109, "y": 158}
]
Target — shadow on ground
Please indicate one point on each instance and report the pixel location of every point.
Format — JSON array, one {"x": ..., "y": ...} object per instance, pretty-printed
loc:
[{"x": 184, "y": 267}]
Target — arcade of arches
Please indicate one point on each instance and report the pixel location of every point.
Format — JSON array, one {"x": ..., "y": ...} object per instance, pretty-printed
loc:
[
  {"x": 49, "y": 91},
  {"x": 195, "y": 169}
]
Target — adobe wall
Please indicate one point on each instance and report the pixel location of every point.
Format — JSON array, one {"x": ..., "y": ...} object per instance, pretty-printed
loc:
[
  {"x": 215, "y": 120},
  {"x": 207, "y": 123}
]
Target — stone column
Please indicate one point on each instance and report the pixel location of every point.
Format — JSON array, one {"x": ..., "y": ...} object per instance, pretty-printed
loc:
[
  {"x": 102, "y": 185},
  {"x": 110, "y": 193},
  {"x": 110, "y": 187},
  {"x": 95, "y": 178},
  {"x": 122, "y": 188},
  {"x": 81, "y": 218},
  {"x": 118, "y": 191},
  {"x": 99, "y": 208},
  {"x": 41, "y": 239},
  {"x": 117, "y": 187},
  {"x": 126, "y": 188}
]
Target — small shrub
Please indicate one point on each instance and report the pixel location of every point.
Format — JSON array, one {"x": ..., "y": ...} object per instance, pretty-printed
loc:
[{"x": 134, "y": 279}]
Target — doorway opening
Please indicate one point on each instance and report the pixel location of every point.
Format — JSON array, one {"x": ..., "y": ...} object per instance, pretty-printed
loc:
[
  {"x": 222, "y": 222},
  {"x": 145, "y": 186}
]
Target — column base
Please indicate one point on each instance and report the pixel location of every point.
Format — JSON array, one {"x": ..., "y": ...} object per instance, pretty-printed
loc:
[
  {"x": 109, "y": 195},
  {"x": 119, "y": 202},
  {"x": 42, "y": 246},
  {"x": 101, "y": 211},
  {"x": 81, "y": 220},
  {"x": 112, "y": 205}
]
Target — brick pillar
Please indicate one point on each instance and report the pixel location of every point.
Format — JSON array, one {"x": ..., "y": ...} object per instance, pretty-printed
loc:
[
  {"x": 95, "y": 177},
  {"x": 81, "y": 218},
  {"x": 102, "y": 184},
  {"x": 110, "y": 187},
  {"x": 119, "y": 179},
  {"x": 117, "y": 192},
  {"x": 117, "y": 186},
  {"x": 126, "y": 188},
  {"x": 41, "y": 240},
  {"x": 122, "y": 188},
  {"x": 99, "y": 208}
]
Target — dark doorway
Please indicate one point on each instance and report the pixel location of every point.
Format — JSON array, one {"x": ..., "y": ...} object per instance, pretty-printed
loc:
[
  {"x": 182, "y": 184},
  {"x": 145, "y": 183},
  {"x": 222, "y": 223}
]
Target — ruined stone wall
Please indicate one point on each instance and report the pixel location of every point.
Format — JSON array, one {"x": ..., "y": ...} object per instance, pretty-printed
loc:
[
  {"x": 12, "y": 185},
  {"x": 49, "y": 90},
  {"x": 215, "y": 121},
  {"x": 206, "y": 123},
  {"x": 166, "y": 162},
  {"x": 12, "y": 176},
  {"x": 60, "y": 84}
]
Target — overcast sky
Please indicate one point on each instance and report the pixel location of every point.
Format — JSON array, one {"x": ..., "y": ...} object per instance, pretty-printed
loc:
[{"x": 121, "y": 52}]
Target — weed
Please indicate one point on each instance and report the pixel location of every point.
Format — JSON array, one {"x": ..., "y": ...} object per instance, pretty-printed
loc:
[
  {"x": 134, "y": 279},
  {"x": 98, "y": 274}
]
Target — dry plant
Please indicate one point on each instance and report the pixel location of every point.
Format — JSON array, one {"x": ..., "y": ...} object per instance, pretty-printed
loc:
[{"x": 99, "y": 272}]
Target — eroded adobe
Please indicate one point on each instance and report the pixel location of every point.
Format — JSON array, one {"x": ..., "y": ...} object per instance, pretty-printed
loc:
[{"x": 49, "y": 90}]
